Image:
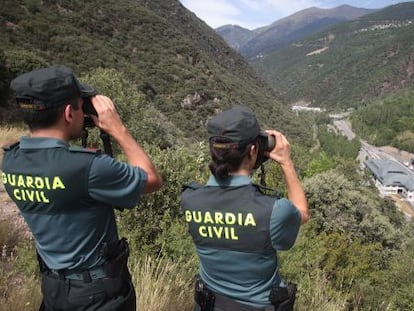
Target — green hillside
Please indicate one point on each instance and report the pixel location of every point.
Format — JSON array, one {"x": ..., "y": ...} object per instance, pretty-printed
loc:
[
  {"x": 161, "y": 50},
  {"x": 296, "y": 26},
  {"x": 348, "y": 64},
  {"x": 388, "y": 121},
  {"x": 149, "y": 55}
]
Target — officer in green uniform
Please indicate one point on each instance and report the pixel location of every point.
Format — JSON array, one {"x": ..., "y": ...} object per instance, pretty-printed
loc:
[
  {"x": 66, "y": 194},
  {"x": 236, "y": 228}
]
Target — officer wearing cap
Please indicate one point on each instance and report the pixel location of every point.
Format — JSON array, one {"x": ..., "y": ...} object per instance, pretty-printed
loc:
[
  {"x": 236, "y": 228},
  {"x": 66, "y": 194}
]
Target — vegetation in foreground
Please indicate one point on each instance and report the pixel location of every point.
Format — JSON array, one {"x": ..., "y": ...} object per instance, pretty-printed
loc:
[{"x": 355, "y": 254}]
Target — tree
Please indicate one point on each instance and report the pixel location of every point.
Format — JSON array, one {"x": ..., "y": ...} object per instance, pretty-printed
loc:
[
  {"x": 4, "y": 80},
  {"x": 339, "y": 204},
  {"x": 19, "y": 61}
]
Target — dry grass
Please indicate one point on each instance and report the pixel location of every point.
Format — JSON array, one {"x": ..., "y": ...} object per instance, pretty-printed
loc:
[
  {"x": 318, "y": 297},
  {"x": 162, "y": 284},
  {"x": 400, "y": 155},
  {"x": 10, "y": 134},
  {"x": 8, "y": 210},
  {"x": 19, "y": 293}
]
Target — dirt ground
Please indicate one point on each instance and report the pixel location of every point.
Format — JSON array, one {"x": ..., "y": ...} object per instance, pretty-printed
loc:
[
  {"x": 401, "y": 155},
  {"x": 403, "y": 205},
  {"x": 10, "y": 213}
]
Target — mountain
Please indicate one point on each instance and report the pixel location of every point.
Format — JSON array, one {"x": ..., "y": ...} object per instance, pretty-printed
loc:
[
  {"x": 264, "y": 40},
  {"x": 348, "y": 64},
  {"x": 182, "y": 67},
  {"x": 235, "y": 35}
]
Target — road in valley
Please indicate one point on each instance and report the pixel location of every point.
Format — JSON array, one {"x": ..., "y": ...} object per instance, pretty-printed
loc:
[
  {"x": 385, "y": 153},
  {"x": 368, "y": 151}
]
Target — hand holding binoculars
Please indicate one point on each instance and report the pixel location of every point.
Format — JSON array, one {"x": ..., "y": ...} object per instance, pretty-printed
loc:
[{"x": 88, "y": 108}]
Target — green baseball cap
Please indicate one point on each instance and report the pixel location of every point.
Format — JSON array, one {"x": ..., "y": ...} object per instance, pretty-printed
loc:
[
  {"x": 238, "y": 124},
  {"x": 47, "y": 88}
]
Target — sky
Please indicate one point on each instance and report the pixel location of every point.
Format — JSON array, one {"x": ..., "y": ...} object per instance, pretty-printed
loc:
[{"x": 252, "y": 14}]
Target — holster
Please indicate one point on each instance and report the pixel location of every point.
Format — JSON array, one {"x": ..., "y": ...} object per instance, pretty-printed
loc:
[
  {"x": 283, "y": 298},
  {"x": 204, "y": 297},
  {"x": 116, "y": 257},
  {"x": 42, "y": 266}
]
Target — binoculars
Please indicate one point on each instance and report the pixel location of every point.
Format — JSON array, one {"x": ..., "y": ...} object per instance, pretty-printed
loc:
[
  {"x": 266, "y": 144},
  {"x": 87, "y": 107}
]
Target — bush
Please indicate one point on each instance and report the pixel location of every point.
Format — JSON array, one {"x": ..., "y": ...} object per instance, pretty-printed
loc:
[{"x": 149, "y": 227}]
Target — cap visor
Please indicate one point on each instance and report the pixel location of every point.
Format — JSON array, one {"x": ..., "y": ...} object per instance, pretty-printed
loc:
[{"x": 87, "y": 90}]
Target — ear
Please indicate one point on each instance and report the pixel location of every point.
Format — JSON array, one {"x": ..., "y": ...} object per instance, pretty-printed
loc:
[
  {"x": 253, "y": 150},
  {"x": 252, "y": 156},
  {"x": 68, "y": 113}
]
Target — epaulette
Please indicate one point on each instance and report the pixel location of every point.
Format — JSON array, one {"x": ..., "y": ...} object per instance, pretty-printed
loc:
[
  {"x": 268, "y": 191},
  {"x": 191, "y": 185},
  {"x": 11, "y": 145},
  {"x": 84, "y": 150}
]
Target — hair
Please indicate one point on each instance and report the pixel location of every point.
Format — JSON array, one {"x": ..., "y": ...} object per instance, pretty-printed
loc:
[
  {"x": 45, "y": 118},
  {"x": 225, "y": 161}
]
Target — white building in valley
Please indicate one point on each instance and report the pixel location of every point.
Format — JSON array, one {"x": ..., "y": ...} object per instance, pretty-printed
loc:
[{"x": 391, "y": 177}]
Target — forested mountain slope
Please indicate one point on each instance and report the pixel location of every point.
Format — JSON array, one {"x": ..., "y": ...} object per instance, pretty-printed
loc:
[
  {"x": 349, "y": 64},
  {"x": 235, "y": 35},
  {"x": 184, "y": 69},
  {"x": 262, "y": 41}
]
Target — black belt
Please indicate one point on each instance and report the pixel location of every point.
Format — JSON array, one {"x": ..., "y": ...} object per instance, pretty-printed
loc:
[
  {"x": 226, "y": 303},
  {"x": 79, "y": 275}
]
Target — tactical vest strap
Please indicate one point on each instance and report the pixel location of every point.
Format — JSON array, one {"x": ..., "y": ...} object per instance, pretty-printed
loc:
[
  {"x": 191, "y": 185},
  {"x": 274, "y": 192},
  {"x": 84, "y": 150},
  {"x": 11, "y": 145}
]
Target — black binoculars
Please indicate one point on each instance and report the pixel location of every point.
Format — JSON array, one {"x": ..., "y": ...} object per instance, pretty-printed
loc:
[
  {"x": 266, "y": 144},
  {"x": 87, "y": 107}
]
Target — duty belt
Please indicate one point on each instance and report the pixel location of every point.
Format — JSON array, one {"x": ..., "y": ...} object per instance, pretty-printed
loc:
[
  {"x": 79, "y": 275},
  {"x": 208, "y": 300},
  {"x": 226, "y": 303}
]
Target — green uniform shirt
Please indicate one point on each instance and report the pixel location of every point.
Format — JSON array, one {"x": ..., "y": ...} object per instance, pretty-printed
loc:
[
  {"x": 67, "y": 195},
  {"x": 237, "y": 231}
]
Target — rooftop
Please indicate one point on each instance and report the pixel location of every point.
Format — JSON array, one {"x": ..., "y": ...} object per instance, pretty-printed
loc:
[{"x": 391, "y": 173}]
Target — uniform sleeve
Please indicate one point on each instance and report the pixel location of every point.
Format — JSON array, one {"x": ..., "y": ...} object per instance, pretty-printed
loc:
[
  {"x": 284, "y": 224},
  {"x": 116, "y": 183}
]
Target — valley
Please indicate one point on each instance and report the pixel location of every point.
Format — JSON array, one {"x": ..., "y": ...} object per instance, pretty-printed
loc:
[
  {"x": 168, "y": 73},
  {"x": 386, "y": 153}
]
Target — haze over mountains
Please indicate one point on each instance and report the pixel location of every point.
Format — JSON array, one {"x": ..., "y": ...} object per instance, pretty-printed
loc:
[
  {"x": 261, "y": 41},
  {"x": 338, "y": 58},
  {"x": 348, "y": 64}
]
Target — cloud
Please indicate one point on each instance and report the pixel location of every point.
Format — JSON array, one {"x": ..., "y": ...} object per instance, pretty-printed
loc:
[
  {"x": 215, "y": 12},
  {"x": 246, "y": 13},
  {"x": 253, "y": 14}
]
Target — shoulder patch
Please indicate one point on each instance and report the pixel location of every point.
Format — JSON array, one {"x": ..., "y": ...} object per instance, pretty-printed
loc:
[
  {"x": 11, "y": 145},
  {"x": 191, "y": 185},
  {"x": 84, "y": 150}
]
